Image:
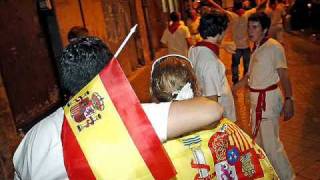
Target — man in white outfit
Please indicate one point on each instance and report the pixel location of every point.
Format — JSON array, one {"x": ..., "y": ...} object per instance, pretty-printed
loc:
[
  {"x": 267, "y": 68},
  {"x": 210, "y": 71},
  {"x": 176, "y": 36},
  {"x": 40, "y": 154}
]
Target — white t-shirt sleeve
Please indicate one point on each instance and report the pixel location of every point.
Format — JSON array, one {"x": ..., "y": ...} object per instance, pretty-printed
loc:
[
  {"x": 39, "y": 155},
  {"x": 158, "y": 116},
  {"x": 279, "y": 57},
  {"x": 211, "y": 82},
  {"x": 164, "y": 38}
]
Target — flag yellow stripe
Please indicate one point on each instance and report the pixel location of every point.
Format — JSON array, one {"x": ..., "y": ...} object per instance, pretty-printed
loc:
[{"x": 107, "y": 145}]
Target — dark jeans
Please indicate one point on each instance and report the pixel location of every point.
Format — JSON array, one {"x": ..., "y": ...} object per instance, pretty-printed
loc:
[{"x": 245, "y": 54}]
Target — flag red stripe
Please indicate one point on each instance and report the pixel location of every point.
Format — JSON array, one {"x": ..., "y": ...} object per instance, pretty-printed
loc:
[
  {"x": 75, "y": 162},
  {"x": 136, "y": 121}
]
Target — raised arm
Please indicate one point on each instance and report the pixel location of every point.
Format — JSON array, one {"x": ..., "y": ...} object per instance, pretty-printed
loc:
[
  {"x": 189, "y": 115},
  {"x": 215, "y": 5}
]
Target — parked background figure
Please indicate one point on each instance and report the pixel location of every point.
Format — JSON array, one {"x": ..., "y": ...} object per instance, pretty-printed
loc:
[
  {"x": 176, "y": 36},
  {"x": 210, "y": 71},
  {"x": 268, "y": 67}
]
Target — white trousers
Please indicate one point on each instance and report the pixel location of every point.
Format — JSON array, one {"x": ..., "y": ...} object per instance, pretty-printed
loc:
[{"x": 268, "y": 135}]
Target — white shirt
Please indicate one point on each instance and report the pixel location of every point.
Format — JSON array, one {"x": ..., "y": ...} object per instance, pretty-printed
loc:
[
  {"x": 210, "y": 73},
  {"x": 265, "y": 61},
  {"x": 177, "y": 41},
  {"x": 40, "y": 155}
]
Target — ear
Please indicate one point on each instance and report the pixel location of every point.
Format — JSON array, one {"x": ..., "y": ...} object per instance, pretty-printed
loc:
[{"x": 265, "y": 32}]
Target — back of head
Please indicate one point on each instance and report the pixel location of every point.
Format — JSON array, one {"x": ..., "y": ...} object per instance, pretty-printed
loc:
[
  {"x": 175, "y": 16},
  {"x": 77, "y": 32},
  {"x": 80, "y": 62},
  {"x": 237, "y": 5},
  {"x": 272, "y": 4},
  {"x": 205, "y": 7},
  {"x": 262, "y": 18},
  {"x": 212, "y": 24},
  {"x": 169, "y": 76}
]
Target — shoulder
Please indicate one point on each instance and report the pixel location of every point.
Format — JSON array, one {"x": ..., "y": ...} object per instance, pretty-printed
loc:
[
  {"x": 184, "y": 28},
  {"x": 38, "y": 144},
  {"x": 45, "y": 131},
  {"x": 275, "y": 45}
]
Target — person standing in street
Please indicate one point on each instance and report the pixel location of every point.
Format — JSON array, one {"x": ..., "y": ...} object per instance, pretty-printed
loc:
[
  {"x": 177, "y": 36},
  {"x": 268, "y": 67},
  {"x": 210, "y": 70}
]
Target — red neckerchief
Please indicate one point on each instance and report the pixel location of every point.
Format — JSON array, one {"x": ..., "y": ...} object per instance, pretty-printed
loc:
[
  {"x": 240, "y": 12},
  {"x": 265, "y": 39},
  {"x": 173, "y": 27},
  {"x": 213, "y": 47}
]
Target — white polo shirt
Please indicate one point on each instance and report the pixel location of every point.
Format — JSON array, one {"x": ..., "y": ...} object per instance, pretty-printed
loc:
[{"x": 265, "y": 61}]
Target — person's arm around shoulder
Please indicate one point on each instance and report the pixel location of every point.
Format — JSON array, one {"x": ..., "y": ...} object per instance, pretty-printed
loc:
[
  {"x": 189, "y": 115},
  {"x": 288, "y": 108}
]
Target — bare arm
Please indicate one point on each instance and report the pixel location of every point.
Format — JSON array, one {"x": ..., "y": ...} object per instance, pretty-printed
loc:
[
  {"x": 214, "y": 98},
  {"x": 189, "y": 115},
  {"x": 288, "y": 108},
  {"x": 215, "y": 5}
]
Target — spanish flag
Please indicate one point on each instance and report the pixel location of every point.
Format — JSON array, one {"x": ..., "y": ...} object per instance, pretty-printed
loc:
[{"x": 106, "y": 134}]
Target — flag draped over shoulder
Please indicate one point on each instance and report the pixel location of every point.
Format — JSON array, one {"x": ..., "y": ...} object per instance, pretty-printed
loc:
[
  {"x": 225, "y": 152},
  {"x": 106, "y": 134}
]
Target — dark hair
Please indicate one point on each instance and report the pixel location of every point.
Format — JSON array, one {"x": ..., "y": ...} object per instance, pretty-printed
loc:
[
  {"x": 262, "y": 18},
  {"x": 80, "y": 62},
  {"x": 237, "y": 4},
  {"x": 213, "y": 23},
  {"x": 77, "y": 32},
  {"x": 272, "y": 2},
  {"x": 204, "y": 3},
  {"x": 175, "y": 16}
]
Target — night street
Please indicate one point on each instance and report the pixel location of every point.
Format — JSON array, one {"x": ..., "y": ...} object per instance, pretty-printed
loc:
[{"x": 50, "y": 103}]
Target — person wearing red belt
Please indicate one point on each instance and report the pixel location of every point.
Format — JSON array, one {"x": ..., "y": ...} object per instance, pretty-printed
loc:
[{"x": 267, "y": 68}]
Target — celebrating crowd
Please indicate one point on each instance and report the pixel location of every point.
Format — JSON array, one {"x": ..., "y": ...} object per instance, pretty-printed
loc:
[{"x": 189, "y": 85}]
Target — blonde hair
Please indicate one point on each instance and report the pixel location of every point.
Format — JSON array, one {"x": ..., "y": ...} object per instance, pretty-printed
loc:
[{"x": 171, "y": 74}]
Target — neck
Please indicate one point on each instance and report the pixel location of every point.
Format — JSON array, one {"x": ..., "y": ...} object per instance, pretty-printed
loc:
[
  {"x": 213, "y": 40},
  {"x": 257, "y": 43}
]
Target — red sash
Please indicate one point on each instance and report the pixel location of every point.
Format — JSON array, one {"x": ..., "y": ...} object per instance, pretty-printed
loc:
[{"x": 261, "y": 106}]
